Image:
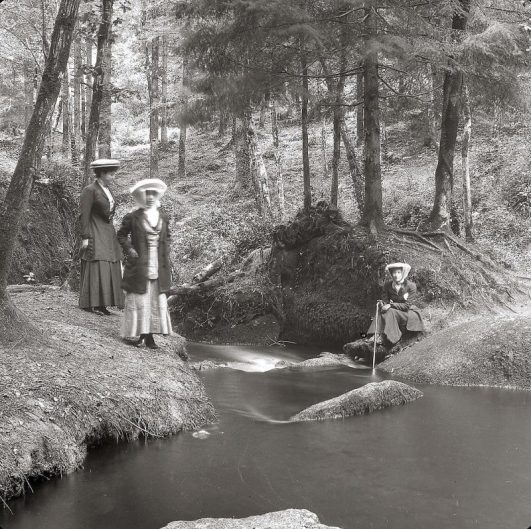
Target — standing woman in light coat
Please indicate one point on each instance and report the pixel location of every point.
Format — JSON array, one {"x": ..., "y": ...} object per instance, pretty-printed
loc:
[
  {"x": 101, "y": 273},
  {"x": 144, "y": 236}
]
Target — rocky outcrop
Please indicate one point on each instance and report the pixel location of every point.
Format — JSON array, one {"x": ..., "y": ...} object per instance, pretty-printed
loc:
[
  {"x": 321, "y": 361},
  {"x": 371, "y": 397},
  {"x": 287, "y": 519}
]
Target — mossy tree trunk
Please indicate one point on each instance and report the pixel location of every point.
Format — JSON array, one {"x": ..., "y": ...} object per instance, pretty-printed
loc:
[
  {"x": 372, "y": 214},
  {"x": 104, "y": 34},
  {"x": 444, "y": 173},
  {"x": 18, "y": 193}
]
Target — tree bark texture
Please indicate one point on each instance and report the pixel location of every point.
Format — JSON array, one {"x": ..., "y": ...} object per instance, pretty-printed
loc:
[
  {"x": 444, "y": 173},
  {"x": 360, "y": 131},
  {"x": 78, "y": 75},
  {"x": 104, "y": 134},
  {"x": 183, "y": 127},
  {"x": 242, "y": 157},
  {"x": 17, "y": 196},
  {"x": 358, "y": 182},
  {"x": 465, "y": 149},
  {"x": 104, "y": 34},
  {"x": 304, "y": 127},
  {"x": 154, "y": 100},
  {"x": 259, "y": 174},
  {"x": 164, "y": 93},
  {"x": 65, "y": 105},
  {"x": 372, "y": 215},
  {"x": 277, "y": 153}
]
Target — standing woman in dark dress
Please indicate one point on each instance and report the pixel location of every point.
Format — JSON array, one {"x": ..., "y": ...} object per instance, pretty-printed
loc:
[
  {"x": 101, "y": 272},
  {"x": 144, "y": 236},
  {"x": 397, "y": 310}
]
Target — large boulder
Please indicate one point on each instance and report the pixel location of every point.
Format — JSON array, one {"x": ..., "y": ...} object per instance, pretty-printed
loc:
[
  {"x": 371, "y": 397},
  {"x": 363, "y": 350},
  {"x": 287, "y": 519}
]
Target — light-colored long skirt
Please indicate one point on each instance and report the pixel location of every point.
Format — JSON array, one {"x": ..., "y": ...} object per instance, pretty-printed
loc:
[
  {"x": 100, "y": 284},
  {"x": 146, "y": 313}
]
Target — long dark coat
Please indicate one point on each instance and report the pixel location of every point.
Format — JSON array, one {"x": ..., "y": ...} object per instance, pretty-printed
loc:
[
  {"x": 132, "y": 234},
  {"x": 96, "y": 219}
]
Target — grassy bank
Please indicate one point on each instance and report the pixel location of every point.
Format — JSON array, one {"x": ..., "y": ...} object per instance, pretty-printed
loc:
[{"x": 80, "y": 385}]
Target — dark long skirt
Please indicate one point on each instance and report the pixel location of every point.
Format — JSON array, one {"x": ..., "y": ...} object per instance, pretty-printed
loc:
[
  {"x": 100, "y": 284},
  {"x": 394, "y": 322}
]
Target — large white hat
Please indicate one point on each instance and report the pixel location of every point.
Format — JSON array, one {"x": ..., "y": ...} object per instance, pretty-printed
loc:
[
  {"x": 404, "y": 266},
  {"x": 149, "y": 184},
  {"x": 105, "y": 163}
]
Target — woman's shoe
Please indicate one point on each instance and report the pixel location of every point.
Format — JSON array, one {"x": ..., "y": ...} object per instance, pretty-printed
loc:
[
  {"x": 150, "y": 342},
  {"x": 103, "y": 310}
]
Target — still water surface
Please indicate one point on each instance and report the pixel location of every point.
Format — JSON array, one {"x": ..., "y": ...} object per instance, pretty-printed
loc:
[{"x": 457, "y": 458}]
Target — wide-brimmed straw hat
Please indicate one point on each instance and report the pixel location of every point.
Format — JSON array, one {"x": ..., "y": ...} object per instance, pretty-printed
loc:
[
  {"x": 149, "y": 184},
  {"x": 403, "y": 266},
  {"x": 105, "y": 163}
]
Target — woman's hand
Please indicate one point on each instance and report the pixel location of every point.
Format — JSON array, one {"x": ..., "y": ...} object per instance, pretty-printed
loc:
[
  {"x": 133, "y": 253},
  {"x": 385, "y": 307},
  {"x": 84, "y": 244}
]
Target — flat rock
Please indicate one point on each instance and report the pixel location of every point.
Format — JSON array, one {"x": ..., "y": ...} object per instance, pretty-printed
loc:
[
  {"x": 287, "y": 519},
  {"x": 371, "y": 397}
]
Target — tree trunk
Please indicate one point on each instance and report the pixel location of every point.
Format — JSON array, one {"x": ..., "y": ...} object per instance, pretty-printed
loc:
[
  {"x": 263, "y": 109},
  {"x": 104, "y": 134},
  {"x": 76, "y": 132},
  {"x": 465, "y": 148},
  {"x": 259, "y": 173},
  {"x": 444, "y": 173},
  {"x": 181, "y": 170},
  {"x": 164, "y": 93},
  {"x": 87, "y": 89},
  {"x": 18, "y": 193},
  {"x": 360, "y": 131},
  {"x": 279, "y": 184},
  {"x": 241, "y": 153},
  {"x": 304, "y": 127},
  {"x": 91, "y": 143},
  {"x": 372, "y": 214},
  {"x": 65, "y": 105},
  {"x": 154, "y": 110},
  {"x": 431, "y": 119},
  {"x": 223, "y": 119},
  {"x": 324, "y": 154},
  {"x": 356, "y": 175},
  {"x": 28, "y": 91}
]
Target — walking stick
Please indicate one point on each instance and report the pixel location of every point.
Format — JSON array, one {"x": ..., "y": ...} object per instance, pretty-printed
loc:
[{"x": 375, "y": 334}]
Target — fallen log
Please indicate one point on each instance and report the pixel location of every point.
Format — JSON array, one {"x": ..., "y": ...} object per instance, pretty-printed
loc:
[{"x": 208, "y": 271}]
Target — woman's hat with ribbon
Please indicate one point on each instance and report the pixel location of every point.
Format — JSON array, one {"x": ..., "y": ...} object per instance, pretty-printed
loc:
[
  {"x": 403, "y": 266},
  {"x": 105, "y": 163}
]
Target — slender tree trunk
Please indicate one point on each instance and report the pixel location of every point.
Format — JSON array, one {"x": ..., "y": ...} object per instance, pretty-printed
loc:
[
  {"x": 91, "y": 143},
  {"x": 223, "y": 119},
  {"x": 18, "y": 193},
  {"x": 358, "y": 182},
  {"x": 65, "y": 105},
  {"x": 279, "y": 183},
  {"x": 154, "y": 110},
  {"x": 431, "y": 119},
  {"x": 304, "y": 127},
  {"x": 465, "y": 148},
  {"x": 87, "y": 89},
  {"x": 259, "y": 172},
  {"x": 263, "y": 109},
  {"x": 372, "y": 215},
  {"x": 104, "y": 135},
  {"x": 164, "y": 93},
  {"x": 360, "y": 131},
  {"x": 181, "y": 171},
  {"x": 241, "y": 152},
  {"x": 444, "y": 173},
  {"x": 28, "y": 91},
  {"x": 76, "y": 133},
  {"x": 324, "y": 154}
]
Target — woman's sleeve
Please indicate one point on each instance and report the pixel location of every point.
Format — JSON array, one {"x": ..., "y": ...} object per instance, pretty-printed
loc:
[
  {"x": 85, "y": 209},
  {"x": 385, "y": 294},
  {"x": 124, "y": 232}
]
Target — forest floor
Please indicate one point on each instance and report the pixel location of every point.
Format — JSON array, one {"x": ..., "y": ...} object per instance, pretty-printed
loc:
[{"x": 79, "y": 385}]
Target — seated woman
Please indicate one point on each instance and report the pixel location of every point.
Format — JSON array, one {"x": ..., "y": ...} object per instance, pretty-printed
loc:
[
  {"x": 144, "y": 236},
  {"x": 396, "y": 310}
]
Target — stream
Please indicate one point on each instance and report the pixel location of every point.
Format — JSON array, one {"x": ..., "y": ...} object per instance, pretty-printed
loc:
[{"x": 457, "y": 458}]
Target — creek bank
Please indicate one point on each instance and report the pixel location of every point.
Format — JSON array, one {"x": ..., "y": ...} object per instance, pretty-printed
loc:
[
  {"x": 491, "y": 350},
  {"x": 287, "y": 519},
  {"x": 80, "y": 386},
  {"x": 321, "y": 276},
  {"x": 367, "y": 399}
]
